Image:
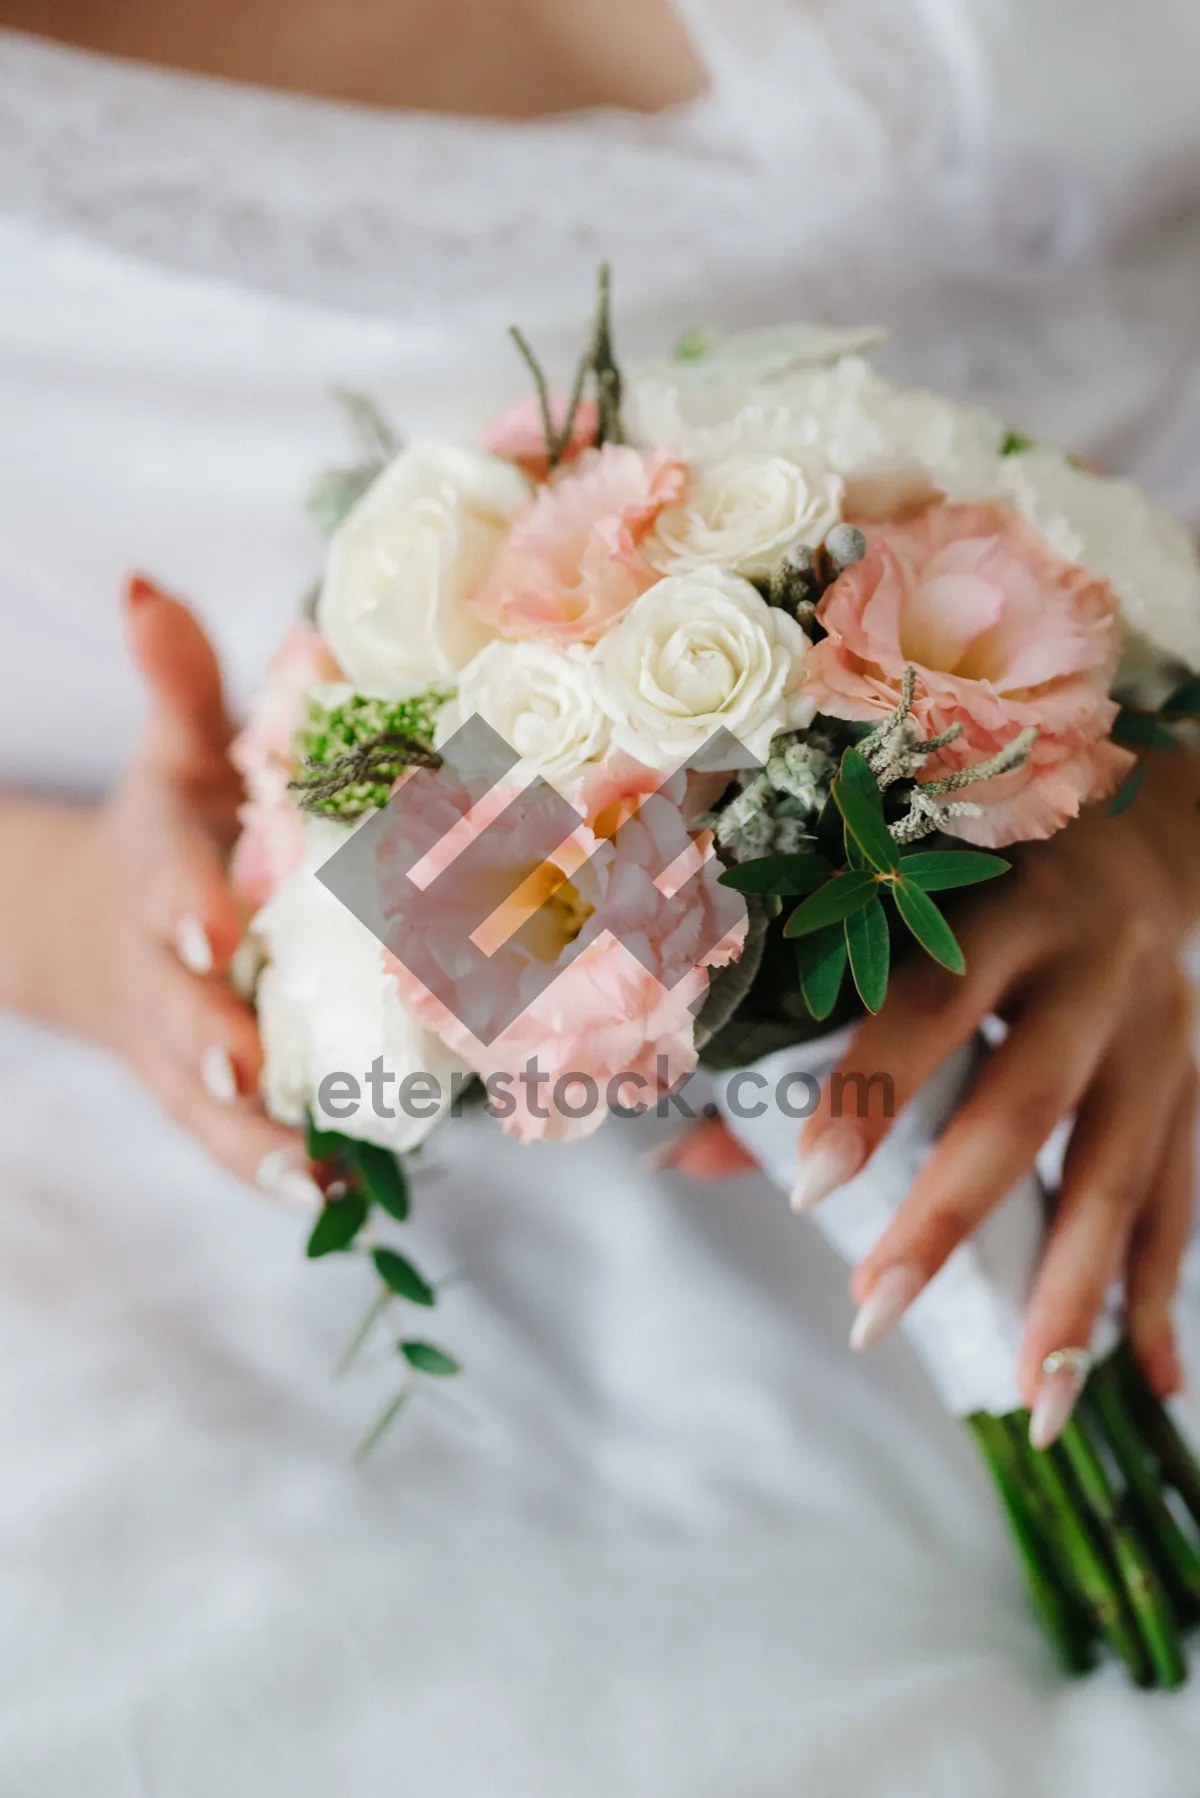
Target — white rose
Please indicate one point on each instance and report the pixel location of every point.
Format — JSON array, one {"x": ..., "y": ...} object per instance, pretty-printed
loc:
[
  {"x": 403, "y": 563},
  {"x": 1111, "y": 529},
  {"x": 695, "y": 653},
  {"x": 744, "y": 512},
  {"x": 876, "y": 436},
  {"x": 326, "y": 1005},
  {"x": 540, "y": 699}
]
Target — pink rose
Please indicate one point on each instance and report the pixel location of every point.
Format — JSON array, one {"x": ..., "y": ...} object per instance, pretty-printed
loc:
[
  {"x": 517, "y": 434},
  {"x": 607, "y": 1012},
  {"x": 572, "y": 563},
  {"x": 1002, "y": 634},
  {"x": 272, "y": 841}
]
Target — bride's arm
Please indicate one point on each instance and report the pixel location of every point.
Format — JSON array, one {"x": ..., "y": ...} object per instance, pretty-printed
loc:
[
  {"x": 117, "y": 923},
  {"x": 37, "y": 840}
]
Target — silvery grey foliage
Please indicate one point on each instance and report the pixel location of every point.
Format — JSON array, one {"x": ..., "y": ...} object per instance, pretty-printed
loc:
[
  {"x": 776, "y": 808},
  {"x": 895, "y": 750}
]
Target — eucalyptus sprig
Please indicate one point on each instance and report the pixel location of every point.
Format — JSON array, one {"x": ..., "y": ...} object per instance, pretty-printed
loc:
[
  {"x": 841, "y": 917},
  {"x": 357, "y": 1179}
]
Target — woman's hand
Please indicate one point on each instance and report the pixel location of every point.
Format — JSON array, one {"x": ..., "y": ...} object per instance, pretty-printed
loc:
[
  {"x": 1078, "y": 949},
  {"x": 143, "y": 925}
]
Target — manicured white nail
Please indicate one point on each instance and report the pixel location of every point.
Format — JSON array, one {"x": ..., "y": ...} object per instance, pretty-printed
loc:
[
  {"x": 193, "y": 947},
  {"x": 279, "y": 1174},
  {"x": 217, "y": 1075},
  {"x": 833, "y": 1160},
  {"x": 1065, "y": 1376},
  {"x": 885, "y": 1304}
]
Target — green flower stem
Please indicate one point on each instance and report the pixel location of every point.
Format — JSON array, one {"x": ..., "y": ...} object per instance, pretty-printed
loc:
[
  {"x": 1174, "y": 1554},
  {"x": 1157, "y": 1428},
  {"x": 1092, "y": 1574},
  {"x": 1064, "y": 1620},
  {"x": 1143, "y": 1590},
  {"x": 358, "y": 1341},
  {"x": 383, "y": 1423}
]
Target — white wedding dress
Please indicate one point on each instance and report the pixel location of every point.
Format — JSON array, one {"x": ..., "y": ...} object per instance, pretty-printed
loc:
[{"x": 665, "y": 1539}]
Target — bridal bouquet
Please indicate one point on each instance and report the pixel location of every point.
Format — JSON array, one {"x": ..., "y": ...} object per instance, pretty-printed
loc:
[{"x": 646, "y": 734}]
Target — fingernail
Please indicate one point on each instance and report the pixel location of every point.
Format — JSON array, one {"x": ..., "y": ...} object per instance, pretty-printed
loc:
[
  {"x": 217, "y": 1075},
  {"x": 833, "y": 1159},
  {"x": 1065, "y": 1376},
  {"x": 279, "y": 1175},
  {"x": 193, "y": 947},
  {"x": 138, "y": 590},
  {"x": 885, "y": 1305}
]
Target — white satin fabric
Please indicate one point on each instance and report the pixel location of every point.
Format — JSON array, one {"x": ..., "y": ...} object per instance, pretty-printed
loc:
[{"x": 665, "y": 1539}]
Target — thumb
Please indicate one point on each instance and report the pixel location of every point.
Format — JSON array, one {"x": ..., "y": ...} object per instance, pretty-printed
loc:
[{"x": 189, "y": 725}]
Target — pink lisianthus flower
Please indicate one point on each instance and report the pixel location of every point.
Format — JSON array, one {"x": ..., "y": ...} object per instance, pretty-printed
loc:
[
  {"x": 271, "y": 844},
  {"x": 518, "y": 436},
  {"x": 572, "y": 563},
  {"x": 1003, "y": 634},
  {"x": 583, "y": 971}
]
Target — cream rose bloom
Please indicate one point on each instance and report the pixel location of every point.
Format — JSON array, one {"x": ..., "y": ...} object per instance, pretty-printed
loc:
[
  {"x": 326, "y": 1005},
  {"x": 541, "y": 699},
  {"x": 696, "y": 653},
  {"x": 743, "y": 512},
  {"x": 402, "y": 565}
]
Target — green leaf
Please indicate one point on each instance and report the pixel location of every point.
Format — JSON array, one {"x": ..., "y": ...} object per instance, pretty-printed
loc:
[
  {"x": 401, "y": 1277},
  {"x": 861, "y": 806},
  {"x": 934, "y": 870},
  {"x": 323, "y": 1145},
  {"x": 821, "y": 961},
  {"x": 337, "y": 1226},
  {"x": 830, "y": 832},
  {"x": 869, "y": 948},
  {"x": 855, "y": 770},
  {"x": 1015, "y": 443},
  {"x": 383, "y": 1178},
  {"x": 1143, "y": 731},
  {"x": 928, "y": 925},
  {"x": 778, "y": 874},
  {"x": 1128, "y": 790},
  {"x": 428, "y": 1359},
  {"x": 833, "y": 902},
  {"x": 1185, "y": 699}
]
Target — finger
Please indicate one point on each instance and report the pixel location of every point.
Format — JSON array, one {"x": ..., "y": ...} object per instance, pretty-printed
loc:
[
  {"x": 191, "y": 905},
  {"x": 210, "y": 1031},
  {"x": 1036, "y": 1076},
  {"x": 709, "y": 1152},
  {"x": 1160, "y": 1239},
  {"x": 240, "y": 1137},
  {"x": 1116, "y": 1146},
  {"x": 928, "y": 1014},
  {"x": 189, "y": 726}
]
